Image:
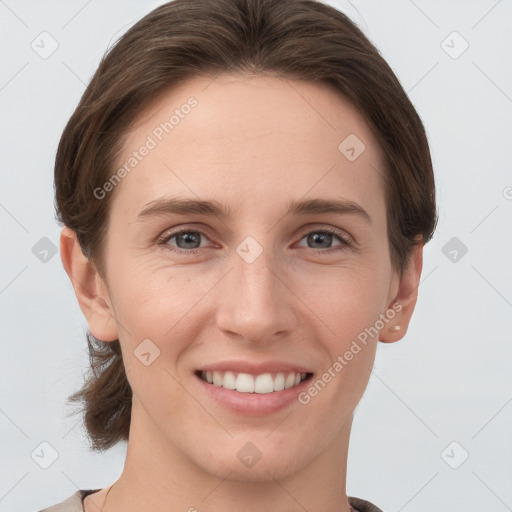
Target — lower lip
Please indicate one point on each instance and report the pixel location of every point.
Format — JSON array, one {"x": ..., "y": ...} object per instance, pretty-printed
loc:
[{"x": 253, "y": 404}]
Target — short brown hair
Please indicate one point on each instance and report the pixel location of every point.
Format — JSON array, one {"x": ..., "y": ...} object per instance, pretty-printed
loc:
[{"x": 297, "y": 39}]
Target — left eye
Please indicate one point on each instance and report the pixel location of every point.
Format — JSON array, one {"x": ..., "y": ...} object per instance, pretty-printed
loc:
[{"x": 322, "y": 239}]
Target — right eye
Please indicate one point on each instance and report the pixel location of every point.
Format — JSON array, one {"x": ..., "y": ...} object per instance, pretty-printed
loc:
[{"x": 182, "y": 241}]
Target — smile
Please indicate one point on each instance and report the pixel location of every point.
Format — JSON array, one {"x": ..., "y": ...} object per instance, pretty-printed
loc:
[{"x": 263, "y": 383}]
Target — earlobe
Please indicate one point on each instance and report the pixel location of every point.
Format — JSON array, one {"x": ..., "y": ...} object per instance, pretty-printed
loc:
[
  {"x": 90, "y": 289},
  {"x": 405, "y": 300}
]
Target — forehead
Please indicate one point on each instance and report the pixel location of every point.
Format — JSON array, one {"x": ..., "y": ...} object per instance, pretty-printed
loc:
[{"x": 241, "y": 137}]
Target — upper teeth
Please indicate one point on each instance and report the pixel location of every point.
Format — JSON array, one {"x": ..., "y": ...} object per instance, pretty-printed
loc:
[{"x": 247, "y": 383}]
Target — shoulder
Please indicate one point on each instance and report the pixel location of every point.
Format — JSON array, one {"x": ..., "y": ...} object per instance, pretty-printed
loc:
[
  {"x": 362, "y": 505},
  {"x": 72, "y": 504}
]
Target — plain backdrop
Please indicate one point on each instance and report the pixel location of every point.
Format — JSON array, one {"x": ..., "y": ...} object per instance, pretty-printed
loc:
[{"x": 433, "y": 430}]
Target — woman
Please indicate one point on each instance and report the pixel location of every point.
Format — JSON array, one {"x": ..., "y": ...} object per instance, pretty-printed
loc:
[{"x": 246, "y": 191}]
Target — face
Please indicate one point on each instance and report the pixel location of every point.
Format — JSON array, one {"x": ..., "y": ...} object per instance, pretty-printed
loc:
[{"x": 244, "y": 247}]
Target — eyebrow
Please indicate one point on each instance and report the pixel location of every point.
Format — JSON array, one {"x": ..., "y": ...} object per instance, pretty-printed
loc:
[
  {"x": 318, "y": 206},
  {"x": 167, "y": 206},
  {"x": 171, "y": 205}
]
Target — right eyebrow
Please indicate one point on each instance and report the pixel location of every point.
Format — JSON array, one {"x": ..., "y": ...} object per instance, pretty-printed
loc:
[{"x": 174, "y": 205}]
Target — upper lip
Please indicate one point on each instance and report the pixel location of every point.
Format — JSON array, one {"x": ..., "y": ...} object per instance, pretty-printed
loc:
[{"x": 271, "y": 366}]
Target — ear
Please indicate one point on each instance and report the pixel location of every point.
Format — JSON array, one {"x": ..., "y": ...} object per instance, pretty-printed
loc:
[
  {"x": 404, "y": 297},
  {"x": 90, "y": 289}
]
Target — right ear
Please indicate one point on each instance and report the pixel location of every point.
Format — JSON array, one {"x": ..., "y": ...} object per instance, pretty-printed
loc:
[{"x": 90, "y": 288}]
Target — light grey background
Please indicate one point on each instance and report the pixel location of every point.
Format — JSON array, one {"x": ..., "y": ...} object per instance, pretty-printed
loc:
[{"x": 448, "y": 380}]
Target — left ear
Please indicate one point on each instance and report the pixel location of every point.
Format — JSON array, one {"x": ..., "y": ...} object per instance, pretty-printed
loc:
[{"x": 405, "y": 297}]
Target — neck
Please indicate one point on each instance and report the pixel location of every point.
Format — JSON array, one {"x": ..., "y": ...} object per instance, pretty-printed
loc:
[{"x": 160, "y": 478}]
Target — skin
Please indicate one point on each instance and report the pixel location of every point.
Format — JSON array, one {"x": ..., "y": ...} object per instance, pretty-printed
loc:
[{"x": 254, "y": 144}]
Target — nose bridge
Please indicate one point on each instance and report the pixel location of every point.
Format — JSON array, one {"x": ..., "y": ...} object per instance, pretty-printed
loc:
[
  {"x": 256, "y": 304},
  {"x": 257, "y": 282}
]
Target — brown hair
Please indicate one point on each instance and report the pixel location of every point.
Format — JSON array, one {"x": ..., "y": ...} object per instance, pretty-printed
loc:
[{"x": 298, "y": 39}]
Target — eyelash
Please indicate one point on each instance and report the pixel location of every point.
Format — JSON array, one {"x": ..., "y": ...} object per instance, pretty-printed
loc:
[{"x": 346, "y": 241}]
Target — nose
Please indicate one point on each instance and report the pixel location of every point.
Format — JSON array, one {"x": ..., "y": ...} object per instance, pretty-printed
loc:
[{"x": 255, "y": 302}]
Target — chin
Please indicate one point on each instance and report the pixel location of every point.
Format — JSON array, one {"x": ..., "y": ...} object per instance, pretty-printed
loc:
[{"x": 255, "y": 462}]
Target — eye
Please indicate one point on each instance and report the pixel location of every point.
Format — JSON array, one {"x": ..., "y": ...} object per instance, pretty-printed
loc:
[
  {"x": 189, "y": 241},
  {"x": 184, "y": 240},
  {"x": 321, "y": 239}
]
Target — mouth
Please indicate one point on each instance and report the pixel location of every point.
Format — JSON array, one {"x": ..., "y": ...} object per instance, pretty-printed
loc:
[
  {"x": 253, "y": 388},
  {"x": 262, "y": 383}
]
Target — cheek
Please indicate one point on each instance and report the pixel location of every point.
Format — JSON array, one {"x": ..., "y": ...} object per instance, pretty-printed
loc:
[
  {"x": 157, "y": 310},
  {"x": 154, "y": 298},
  {"x": 346, "y": 299},
  {"x": 346, "y": 305}
]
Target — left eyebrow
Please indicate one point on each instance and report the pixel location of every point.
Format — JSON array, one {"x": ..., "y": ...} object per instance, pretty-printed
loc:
[{"x": 318, "y": 206}]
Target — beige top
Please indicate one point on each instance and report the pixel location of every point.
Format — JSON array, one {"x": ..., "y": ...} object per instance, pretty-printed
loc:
[{"x": 75, "y": 503}]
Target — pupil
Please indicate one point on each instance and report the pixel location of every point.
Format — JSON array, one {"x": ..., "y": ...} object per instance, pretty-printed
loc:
[
  {"x": 325, "y": 238},
  {"x": 187, "y": 238}
]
